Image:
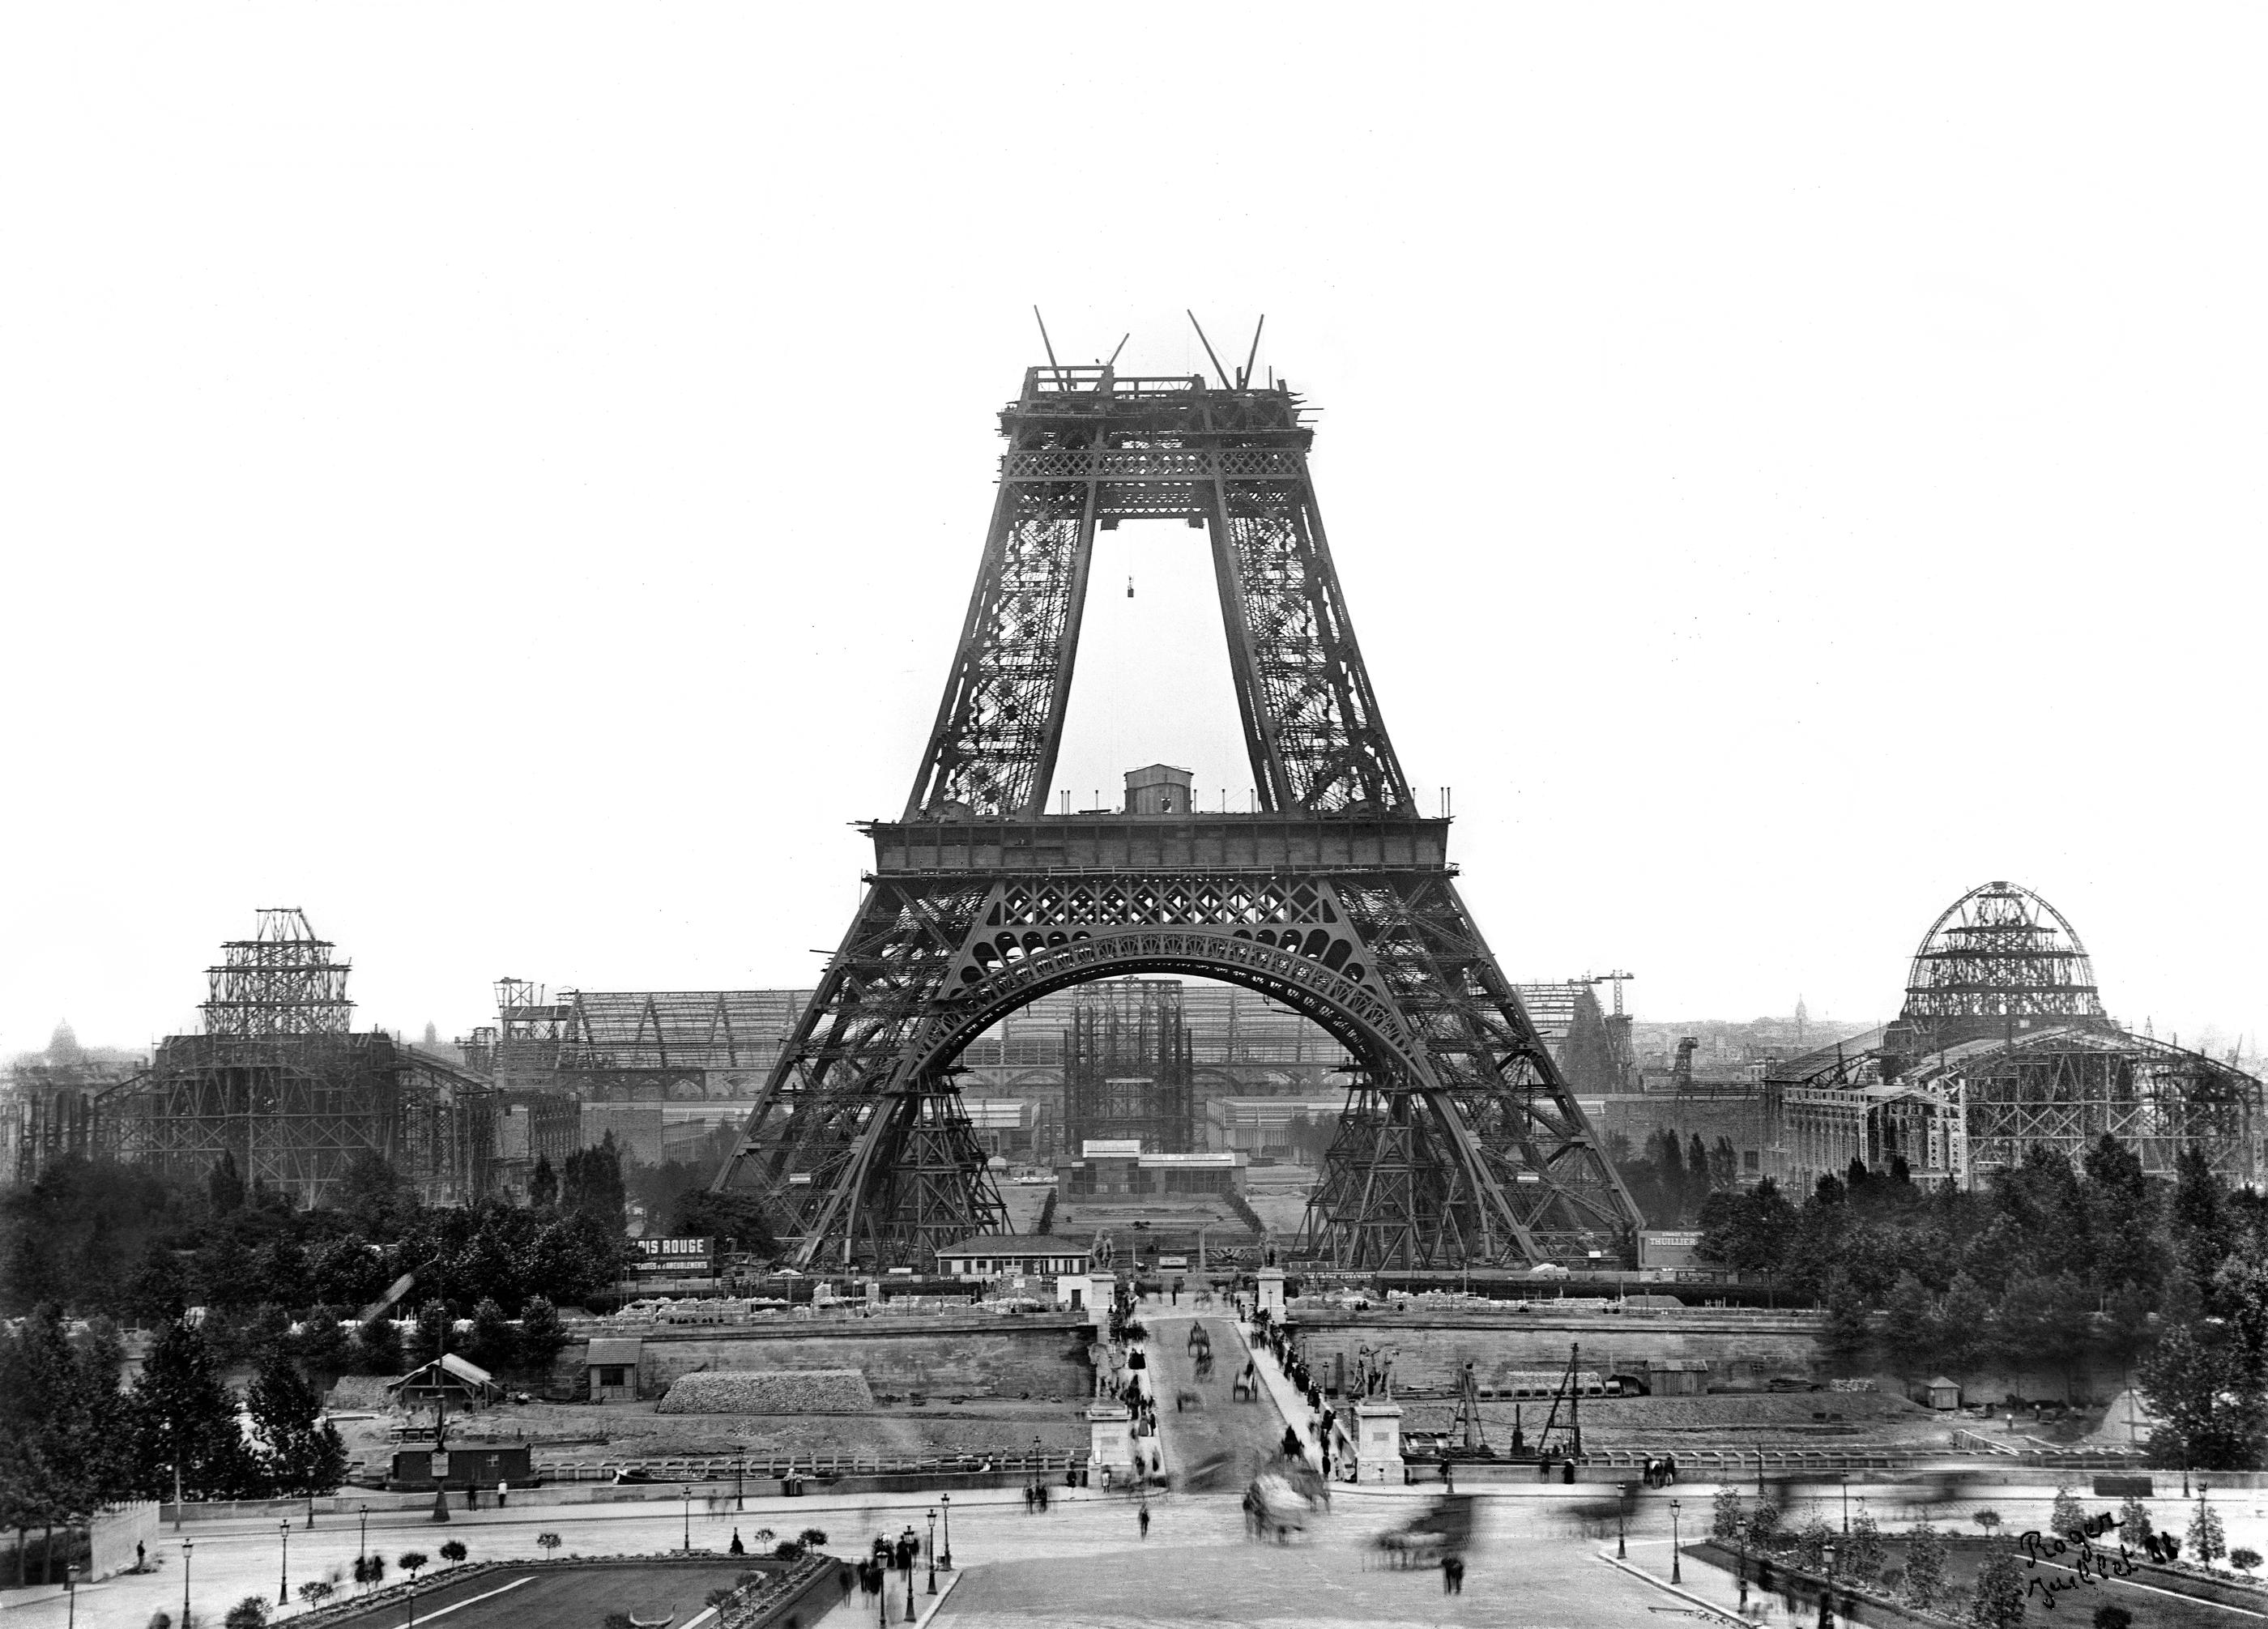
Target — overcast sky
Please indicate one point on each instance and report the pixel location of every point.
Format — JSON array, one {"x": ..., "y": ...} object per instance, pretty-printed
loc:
[{"x": 508, "y": 479}]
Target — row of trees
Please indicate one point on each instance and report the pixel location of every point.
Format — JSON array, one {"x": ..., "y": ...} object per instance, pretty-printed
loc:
[
  {"x": 2050, "y": 1271},
  {"x": 105, "y": 1238},
  {"x": 1671, "y": 1180},
  {"x": 71, "y": 1440}
]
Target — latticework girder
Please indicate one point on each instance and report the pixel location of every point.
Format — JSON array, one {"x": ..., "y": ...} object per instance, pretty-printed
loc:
[{"x": 1335, "y": 897}]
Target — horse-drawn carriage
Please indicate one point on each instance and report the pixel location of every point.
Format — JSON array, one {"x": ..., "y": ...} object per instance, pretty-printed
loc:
[
  {"x": 1444, "y": 1527},
  {"x": 1283, "y": 1501}
]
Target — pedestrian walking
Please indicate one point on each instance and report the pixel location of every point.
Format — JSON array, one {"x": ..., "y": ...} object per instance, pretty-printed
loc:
[
  {"x": 736, "y": 1547},
  {"x": 1452, "y": 1573},
  {"x": 1143, "y": 1518}
]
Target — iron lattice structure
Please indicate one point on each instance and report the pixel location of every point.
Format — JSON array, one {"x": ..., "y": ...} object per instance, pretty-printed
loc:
[
  {"x": 2000, "y": 958},
  {"x": 279, "y": 1082},
  {"x": 1127, "y": 1067},
  {"x": 2004, "y": 1046},
  {"x": 1334, "y": 896},
  {"x": 283, "y": 981}
]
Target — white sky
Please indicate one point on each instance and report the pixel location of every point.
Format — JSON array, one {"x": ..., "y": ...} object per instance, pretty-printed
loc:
[{"x": 508, "y": 479}]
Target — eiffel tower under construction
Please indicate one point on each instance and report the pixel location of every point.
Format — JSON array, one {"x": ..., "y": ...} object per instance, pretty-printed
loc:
[{"x": 1461, "y": 1143}]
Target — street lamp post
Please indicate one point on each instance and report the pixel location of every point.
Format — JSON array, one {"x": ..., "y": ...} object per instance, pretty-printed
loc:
[
  {"x": 284, "y": 1566},
  {"x": 361, "y": 1544},
  {"x": 1677, "y": 1573},
  {"x": 70, "y": 1589},
  {"x": 689, "y": 1518},
  {"x": 1827, "y": 1590},
  {"x": 1846, "y": 1501},
  {"x": 1622, "y": 1503},
  {"x": 933, "y": 1552},
  {"x": 188, "y": 1547},
  {"x": 946, "y": 1500}
]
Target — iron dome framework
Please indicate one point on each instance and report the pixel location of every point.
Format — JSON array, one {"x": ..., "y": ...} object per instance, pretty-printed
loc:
[
  {"x": 1334, "y": 896},
  {"x": 2003, "y": 1046}
]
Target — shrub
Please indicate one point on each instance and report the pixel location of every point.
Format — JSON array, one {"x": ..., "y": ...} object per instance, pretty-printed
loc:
[
  {"x": 2243, "y": 1559},
  {"x": 1998, "y": 1601},
  {"x": 1925, "y": 1578},
  {"x": 1725, "y": 1516},
  {"x": 317, "y": 1592},
  {"x": 2110, "y": 1615},
  {"x": 249, "y": 1613},
  {"x": 787, "y": 1550},
  {"x": 413, "y": 1562},
  {"x": 813, "y": 1538},
  {"x": 2068, "y": 1516},
  {"x": 1989, "y": 1519},
  {"x": 2207, "y": 1539}
]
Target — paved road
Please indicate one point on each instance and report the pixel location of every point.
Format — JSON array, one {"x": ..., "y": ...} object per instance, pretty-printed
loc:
[
  {"x": 1243, "y": 1436},
  {"x": 1533, "y": 1545}
]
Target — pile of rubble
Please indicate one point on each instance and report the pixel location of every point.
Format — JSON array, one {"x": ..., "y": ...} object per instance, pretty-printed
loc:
[{"x": 769, "y": 1392}]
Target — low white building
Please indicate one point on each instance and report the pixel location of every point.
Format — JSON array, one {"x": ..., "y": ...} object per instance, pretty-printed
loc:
[{"x": 991, "y": 1257}]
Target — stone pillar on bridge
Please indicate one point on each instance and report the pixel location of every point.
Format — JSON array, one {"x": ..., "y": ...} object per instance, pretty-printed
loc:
[
  {"x": 1271, "y": 1292},
  {"x": 1111, "y": 1441},
  {"x": 1378, "y": 1440}
]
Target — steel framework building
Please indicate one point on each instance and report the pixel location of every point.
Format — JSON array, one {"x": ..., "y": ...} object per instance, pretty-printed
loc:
[
  {"x": 1333, "y": 896},
  {"x": 2003, "y": 1045},
  {"x": 280, "y": 1081},
  {"x": 1126, "y": 1066}
]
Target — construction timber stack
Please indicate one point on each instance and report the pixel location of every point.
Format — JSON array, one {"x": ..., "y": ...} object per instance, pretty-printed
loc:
[{"x": 1460, "y": 1142}]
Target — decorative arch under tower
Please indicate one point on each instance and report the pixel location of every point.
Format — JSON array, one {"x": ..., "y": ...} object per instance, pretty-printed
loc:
[{"x": 1461, "y": 1143}]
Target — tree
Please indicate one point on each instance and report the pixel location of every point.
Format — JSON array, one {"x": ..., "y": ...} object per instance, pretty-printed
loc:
[
  {"x": 1997, "y": 1601},
  {"x": 1848, "y": 1335},
  {"x": 1864, "y": 1548},
  {"x": 1811, "y": 1542},
  {"x": 1925, "y": 1568},
  {"x": 548, "y": 1541},
  {"x": 249, "y": 1613},
  {"x": 453, "y": 1552},
  {"x": 541, "y": 1334},
  {"x": 544, "y": 1184},
  {"x": 182, "y": 1414},
  {"x": 1747, "y": 1231},
  {"x": 2207, "y": 1540},
  {"x": 2134, "y": 1523},
  {"x": 301, "y": 1451},
  {"x": 376, "y": 1348},
  {"x": 1989, "y": 1519},
  {"x": 2068, "y": 1515},
  {"x": 493, "y": 1343},
  {"x": 593, "y": 1184},
  {"x": 1764, "y": 1524},
  {"x": 1909, "y": 1332},
  {"x": 811, "y": 1537},
  {"x": 2244, "y": 1560},
  {"x": 2209, "y": 1404},
  {"x": 372, "y": 1195},
  {"x": 412, "y": 1562},
  {"x": 739, "y": 1217},
  {"x": 225, "y": 1186},
  {"x": 315, "y": 1591},
  {"x": 1725, "y": 1516},
  {"x": 1962, "y": 1327},
  {"x": 429, "y": 1338}
]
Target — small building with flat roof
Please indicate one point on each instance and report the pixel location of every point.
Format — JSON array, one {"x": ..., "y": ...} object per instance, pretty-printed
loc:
[{"x": 990, "y": 1256}]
